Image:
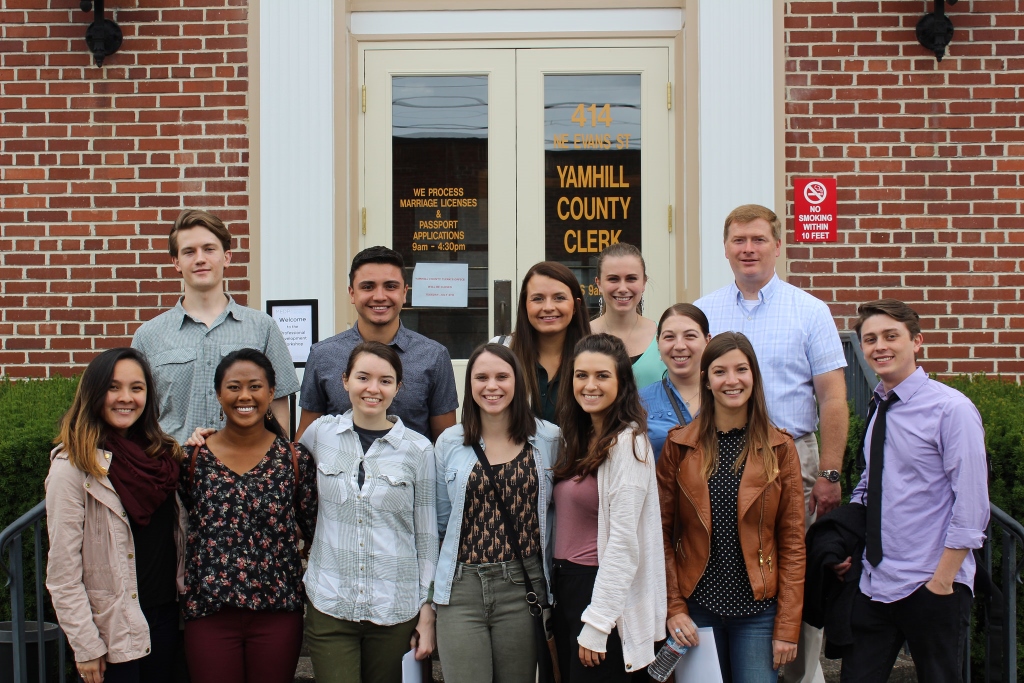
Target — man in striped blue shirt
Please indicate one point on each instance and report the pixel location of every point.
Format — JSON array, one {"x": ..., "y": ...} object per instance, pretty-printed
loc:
[
  {"x": 801, "y": 360},
  {"x": 184, "y": 345}
]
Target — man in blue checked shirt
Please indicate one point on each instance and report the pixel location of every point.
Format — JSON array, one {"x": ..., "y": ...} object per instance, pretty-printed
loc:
[{"x": 801, "y": 359}]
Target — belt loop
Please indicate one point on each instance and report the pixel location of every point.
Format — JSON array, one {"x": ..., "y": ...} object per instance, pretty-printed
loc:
[{"x": 458, "y": 571}]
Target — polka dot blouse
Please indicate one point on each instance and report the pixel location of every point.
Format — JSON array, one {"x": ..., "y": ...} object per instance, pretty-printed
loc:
[{"x": 724, "y": 589}]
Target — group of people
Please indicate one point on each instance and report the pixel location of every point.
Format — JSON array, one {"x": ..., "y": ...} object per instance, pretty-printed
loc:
[{"x": 637, "y": 480}]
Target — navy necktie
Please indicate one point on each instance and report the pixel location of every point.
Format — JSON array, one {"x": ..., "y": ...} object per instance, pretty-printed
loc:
[{"x": 873, "y": 536}]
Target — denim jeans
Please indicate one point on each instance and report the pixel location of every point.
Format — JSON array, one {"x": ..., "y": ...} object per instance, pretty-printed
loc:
[
  {"x": 744, "y": 643},
  {"x": 485, "y": 633}
]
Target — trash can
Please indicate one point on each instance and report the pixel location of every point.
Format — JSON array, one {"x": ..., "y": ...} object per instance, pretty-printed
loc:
[{"x": 51, "y": 633}]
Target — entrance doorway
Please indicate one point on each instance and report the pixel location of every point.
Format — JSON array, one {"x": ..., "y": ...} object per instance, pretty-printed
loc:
[{"x": 478, "y": 163}]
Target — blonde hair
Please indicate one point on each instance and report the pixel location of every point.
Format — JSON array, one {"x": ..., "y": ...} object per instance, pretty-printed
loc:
[{"x": 748, "y": 213}]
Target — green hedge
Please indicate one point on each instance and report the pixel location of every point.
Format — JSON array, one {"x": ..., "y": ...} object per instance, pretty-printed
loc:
[{"x": 29, "y": 415}]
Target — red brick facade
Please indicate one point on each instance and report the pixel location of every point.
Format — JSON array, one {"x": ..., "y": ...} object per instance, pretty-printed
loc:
[
  {"x": 930, "y": 166},
  {"x": 96, "y": 163}
]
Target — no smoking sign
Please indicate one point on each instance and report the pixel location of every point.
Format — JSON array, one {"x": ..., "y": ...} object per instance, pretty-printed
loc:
[{"x": 814, "y": 209}]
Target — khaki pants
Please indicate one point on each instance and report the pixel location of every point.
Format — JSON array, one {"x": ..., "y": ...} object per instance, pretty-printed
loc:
[
  {"x": 806, "y": 668},
  {"x": 485, "y": 632}
]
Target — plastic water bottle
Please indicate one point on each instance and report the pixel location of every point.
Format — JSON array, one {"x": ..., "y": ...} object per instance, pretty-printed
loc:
[{"x": 666, "y": 660}]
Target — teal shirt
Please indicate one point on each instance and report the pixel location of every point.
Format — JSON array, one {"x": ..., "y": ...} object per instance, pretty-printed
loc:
[{"x": 649, "y": 367}]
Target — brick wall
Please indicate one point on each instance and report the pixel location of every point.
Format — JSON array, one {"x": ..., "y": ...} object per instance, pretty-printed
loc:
[
  {"x": 96, "y": 163},
  {"x": 930, "y": 166}
]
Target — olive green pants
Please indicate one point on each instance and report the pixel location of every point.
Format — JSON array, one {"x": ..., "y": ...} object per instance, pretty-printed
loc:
[{"x": 355, "y": 651}]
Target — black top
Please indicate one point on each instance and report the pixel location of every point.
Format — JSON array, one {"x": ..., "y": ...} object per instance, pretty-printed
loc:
[
  {"x": 548, "y": 395},
  {"x": 242, "y": 546},
  {"x": 724, "y": 589},
  {"x": 366, "y": 439},
  {"x": 484, "y": 535},
  {"x": 634, "y": 359},
  {"x": 156, "y": 556}
]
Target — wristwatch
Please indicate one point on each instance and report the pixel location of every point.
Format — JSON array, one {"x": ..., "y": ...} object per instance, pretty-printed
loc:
[{"x": 830, "y": 475}]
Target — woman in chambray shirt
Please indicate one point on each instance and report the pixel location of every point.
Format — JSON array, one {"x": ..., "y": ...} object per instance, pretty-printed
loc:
[{"x": 479, "y": 588}]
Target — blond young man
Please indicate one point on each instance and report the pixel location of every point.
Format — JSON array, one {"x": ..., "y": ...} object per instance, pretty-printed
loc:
[{"x": 184, "y": 344}]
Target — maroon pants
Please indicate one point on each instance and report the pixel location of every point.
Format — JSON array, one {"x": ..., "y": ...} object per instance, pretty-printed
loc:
[{"x": 243, "y": 646}]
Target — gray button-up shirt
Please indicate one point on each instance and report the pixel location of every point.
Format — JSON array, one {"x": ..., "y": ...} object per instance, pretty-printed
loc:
[
  {"x": 184, "y": 354},
  {"x": 428, "y": 382}
]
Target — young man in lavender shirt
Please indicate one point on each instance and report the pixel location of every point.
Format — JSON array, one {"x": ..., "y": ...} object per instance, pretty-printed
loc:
[{"x": 927, "y": 509}]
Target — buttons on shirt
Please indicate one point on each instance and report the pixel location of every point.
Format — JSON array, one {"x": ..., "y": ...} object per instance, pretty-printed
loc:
[{"x": 131, "y": 556}]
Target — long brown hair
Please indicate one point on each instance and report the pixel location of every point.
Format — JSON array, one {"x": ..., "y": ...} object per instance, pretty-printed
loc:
[
  {"x": 576, "y": 458},
  {"x": 759, "y": 425},
  {"x": 83, "y": 429},
  {"x": 524, "y": 339},
  {"x": 521, "y": 423}
]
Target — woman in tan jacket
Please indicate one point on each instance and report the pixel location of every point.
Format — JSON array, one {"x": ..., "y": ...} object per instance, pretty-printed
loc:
[
  {"x": 733, "y": 521},
  {"x": 116, "y": 526}
]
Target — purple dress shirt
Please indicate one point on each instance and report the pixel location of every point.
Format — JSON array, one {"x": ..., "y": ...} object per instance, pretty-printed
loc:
[{"x": 934, "y": 487}]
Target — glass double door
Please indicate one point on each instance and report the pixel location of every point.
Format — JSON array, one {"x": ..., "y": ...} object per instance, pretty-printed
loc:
[{"x": 478, "y": 163}]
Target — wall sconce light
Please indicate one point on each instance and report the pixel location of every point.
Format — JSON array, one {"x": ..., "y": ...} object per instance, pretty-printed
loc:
[
  {"x": 103, "y": 36},
  {"x": 935, "y": 30}
]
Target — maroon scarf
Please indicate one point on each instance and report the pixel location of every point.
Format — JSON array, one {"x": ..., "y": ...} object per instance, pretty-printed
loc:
[{"x": 141, "y": 482}]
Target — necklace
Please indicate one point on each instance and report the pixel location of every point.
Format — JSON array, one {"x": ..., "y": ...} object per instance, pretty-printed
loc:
[
  {"x": 623, "y": 337},
  {"x": 687, "y": 401}
]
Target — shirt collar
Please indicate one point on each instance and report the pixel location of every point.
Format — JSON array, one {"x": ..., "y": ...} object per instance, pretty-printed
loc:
[
  {"x": 905, "y": 389},
  {"x": 402, "y": 339},
  {"x": 764, "y": 294},
  {"x": 394, "y": 437},
  {"x": 234, "y": 309}
]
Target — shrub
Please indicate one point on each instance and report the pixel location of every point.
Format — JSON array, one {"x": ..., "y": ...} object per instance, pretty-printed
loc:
[{"x": 29, "y": 415}]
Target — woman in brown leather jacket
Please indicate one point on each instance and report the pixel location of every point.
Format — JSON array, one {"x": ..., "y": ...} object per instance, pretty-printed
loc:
[{"x": 733, "y": 521}]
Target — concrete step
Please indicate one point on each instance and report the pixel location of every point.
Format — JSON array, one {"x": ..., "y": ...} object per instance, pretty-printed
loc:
[{"x": 902, "y": 672}]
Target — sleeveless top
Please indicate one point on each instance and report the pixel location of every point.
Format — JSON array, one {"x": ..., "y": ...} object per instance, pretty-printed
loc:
[{"x": 648, "y": 368}]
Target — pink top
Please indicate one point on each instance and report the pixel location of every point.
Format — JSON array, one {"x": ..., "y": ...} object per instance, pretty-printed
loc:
[{"x": 576, "y": 505}]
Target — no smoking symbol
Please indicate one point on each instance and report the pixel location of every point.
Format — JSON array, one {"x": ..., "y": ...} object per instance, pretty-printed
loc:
[{"x": 815, "y": 192}]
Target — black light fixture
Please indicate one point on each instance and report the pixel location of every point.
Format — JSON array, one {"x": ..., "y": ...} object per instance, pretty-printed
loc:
[
  {"x": 103, "y": 36},
  {"x": 935, "y": 30}
]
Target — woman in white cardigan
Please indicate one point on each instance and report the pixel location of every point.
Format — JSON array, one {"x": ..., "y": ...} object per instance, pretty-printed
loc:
[{"x": 609, "y": 576}]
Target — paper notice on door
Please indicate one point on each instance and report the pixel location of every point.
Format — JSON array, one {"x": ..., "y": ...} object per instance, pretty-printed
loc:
[
  {"x": 444, "y": 285},
  {"x": 700, "y": 664}
]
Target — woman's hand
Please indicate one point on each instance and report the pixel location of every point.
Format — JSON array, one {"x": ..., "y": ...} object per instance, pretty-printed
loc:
[
  {"x": 683, "y": 630},
  {"x": 92, "y": 670},
  {"x": 198, "y": 437},
  {"x": 589, "y": 657},
  {"x": 782, "y": 653},
  {"x": 423, "y": 637}
]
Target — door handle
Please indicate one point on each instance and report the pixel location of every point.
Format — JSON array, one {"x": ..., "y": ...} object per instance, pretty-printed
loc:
[{"x": 502, "y": 307}]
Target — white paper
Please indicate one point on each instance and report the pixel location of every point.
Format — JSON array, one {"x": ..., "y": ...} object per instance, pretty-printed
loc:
[
  {"x": 700, "y": 664},
  {"x": 296, "y": 324},
  {"x": 441, "y": 284},
  {"x": 412, "y": 670}
]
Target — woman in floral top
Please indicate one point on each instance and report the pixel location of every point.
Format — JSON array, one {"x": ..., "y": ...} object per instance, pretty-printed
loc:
[{"x": 248, "y": 492}]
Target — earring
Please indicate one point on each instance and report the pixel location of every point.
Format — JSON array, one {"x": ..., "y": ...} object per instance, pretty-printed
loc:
[
  {"x": 640, "y": 306},
  {"x": 270, "y": 413},
  {"x": 221, "y": 416},
  {"x": 600, "y": 306}
]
